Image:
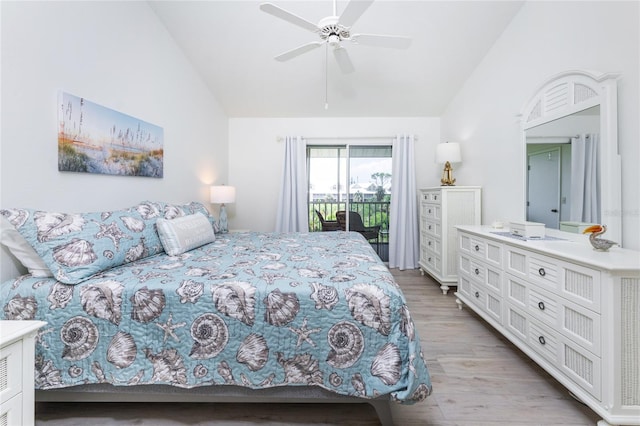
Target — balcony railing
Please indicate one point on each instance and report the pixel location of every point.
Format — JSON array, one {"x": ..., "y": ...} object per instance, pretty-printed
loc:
[{"x": 372, "y": 213}]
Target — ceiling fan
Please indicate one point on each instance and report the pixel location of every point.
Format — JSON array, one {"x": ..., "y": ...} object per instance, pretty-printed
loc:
[{"x": 333, "y": 30}]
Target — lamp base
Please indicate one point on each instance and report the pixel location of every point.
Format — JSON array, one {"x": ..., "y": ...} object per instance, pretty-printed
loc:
[
  {"x": 447, "y": 176},
  {"x": 222, "y": 220}
]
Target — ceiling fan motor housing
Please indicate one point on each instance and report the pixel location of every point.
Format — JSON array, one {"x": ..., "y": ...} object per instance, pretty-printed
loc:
[{"x": 332, "y": 31}]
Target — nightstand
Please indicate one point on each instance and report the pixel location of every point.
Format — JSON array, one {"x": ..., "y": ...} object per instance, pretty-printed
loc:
[{"x": 17, "y": 353}]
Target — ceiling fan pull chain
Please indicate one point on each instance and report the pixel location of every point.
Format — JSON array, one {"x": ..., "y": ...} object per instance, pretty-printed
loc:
[{"x": 326, "y": 77}]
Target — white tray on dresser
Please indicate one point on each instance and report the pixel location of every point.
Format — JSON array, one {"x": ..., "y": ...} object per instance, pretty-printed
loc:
[{"x": 573, "y": 310}]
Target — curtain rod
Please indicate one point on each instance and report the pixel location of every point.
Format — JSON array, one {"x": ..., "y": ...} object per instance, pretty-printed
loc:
[
  {"x": 553, "y": 136},
  {"x": 311, "y": 138}
]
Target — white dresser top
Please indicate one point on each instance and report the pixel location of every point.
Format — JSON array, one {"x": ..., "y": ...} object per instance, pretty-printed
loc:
[
  {"x": 573, "y": 247},
  {"x": 11, "y": 331}
]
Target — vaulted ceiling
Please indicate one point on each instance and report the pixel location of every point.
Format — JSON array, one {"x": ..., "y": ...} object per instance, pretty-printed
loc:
[{"x": 232, "y": 44}]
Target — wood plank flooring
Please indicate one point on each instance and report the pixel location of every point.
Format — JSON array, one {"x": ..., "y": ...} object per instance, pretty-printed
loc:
[{"x": 479, "y": 379}]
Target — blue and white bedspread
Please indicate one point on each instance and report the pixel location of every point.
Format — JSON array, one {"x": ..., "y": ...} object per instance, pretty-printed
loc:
[{"x": 250, "y": 309}]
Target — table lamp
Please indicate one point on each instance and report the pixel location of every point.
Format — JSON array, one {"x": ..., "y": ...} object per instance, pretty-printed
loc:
[
  {"x": 222, "y": 194},
  {"x": 448, "y": 153}
]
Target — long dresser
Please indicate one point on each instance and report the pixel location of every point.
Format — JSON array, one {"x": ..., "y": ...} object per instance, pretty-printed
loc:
[
  {"x": 441, "y": 209},
  {"x": 571, "y": 309}
]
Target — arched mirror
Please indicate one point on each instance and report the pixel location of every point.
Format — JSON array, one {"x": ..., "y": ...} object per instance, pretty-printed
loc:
[{"x": 571, "y": 164}]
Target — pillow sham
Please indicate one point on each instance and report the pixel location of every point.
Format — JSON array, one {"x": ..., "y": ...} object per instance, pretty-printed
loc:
[
  {"x": 184, "y": 233},
  {"x": 20, "y": 248},
  {"x": 75, "y": 246}
]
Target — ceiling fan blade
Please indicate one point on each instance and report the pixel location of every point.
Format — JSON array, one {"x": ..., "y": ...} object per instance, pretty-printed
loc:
[
  {"x": 278, "y": 12},
  {"x": 290, "y": 54},
  {"x": 343, "y": 60},
  {"x": 353, "y": 11},
  {"x": 392, "y": 41}
]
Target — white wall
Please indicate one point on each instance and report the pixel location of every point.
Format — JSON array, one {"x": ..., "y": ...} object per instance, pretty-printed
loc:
[
  {"x": 256, "y": 157},
  {"x": 116, "y": 54},
  {"x": 544, "y": 39}
]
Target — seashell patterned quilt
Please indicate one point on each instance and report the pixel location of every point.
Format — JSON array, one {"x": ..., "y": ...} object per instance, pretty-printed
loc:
[{"x": 250, "y": 309}]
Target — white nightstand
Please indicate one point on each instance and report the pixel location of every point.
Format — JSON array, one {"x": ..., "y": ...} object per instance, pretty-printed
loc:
[{"x": 17, "y": 352}]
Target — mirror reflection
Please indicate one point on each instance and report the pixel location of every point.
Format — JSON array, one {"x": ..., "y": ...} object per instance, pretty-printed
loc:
[{"x": 564, "y": 171}]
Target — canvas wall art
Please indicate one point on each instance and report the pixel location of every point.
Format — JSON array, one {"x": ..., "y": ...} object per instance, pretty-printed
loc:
[{"x": 96, "y": 139}]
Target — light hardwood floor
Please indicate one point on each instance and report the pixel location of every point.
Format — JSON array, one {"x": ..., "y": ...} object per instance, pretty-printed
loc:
[{"x": 479, "y": 379}]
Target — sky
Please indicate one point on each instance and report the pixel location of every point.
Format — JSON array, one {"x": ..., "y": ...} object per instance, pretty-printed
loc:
[{"x": 323, "y": 171}]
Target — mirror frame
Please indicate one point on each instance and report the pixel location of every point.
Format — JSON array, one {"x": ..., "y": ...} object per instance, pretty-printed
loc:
[{"x": 570, "y": 92}]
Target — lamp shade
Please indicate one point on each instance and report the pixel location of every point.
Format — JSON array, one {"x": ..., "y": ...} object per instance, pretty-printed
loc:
[
  {"x": 222, "y": 194},
  {"x": 449, "y": 151}
]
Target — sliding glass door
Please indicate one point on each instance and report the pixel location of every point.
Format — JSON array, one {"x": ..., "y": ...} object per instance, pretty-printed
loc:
[
  {"x": 353, "y": 178},
  {"x": 327, "y": 168}
]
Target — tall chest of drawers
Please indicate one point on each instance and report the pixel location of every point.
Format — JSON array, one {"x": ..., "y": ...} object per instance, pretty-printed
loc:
[
  {"x": 574, "y": 311},
  {"x": 441, "y": 209}
]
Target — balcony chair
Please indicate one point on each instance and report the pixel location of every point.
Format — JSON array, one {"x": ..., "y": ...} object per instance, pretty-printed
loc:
[
  {"x": 356, "y": 224},
  {"x": 328, "y": 225}
]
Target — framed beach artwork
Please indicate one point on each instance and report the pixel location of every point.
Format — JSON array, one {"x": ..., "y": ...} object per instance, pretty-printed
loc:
[{"x": 96, "y": 139}]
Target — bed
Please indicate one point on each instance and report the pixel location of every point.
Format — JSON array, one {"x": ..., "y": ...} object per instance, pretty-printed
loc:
[{"x": 148, "y": 303}]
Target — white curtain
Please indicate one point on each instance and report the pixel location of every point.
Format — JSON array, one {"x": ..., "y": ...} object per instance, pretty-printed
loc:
[
  {"x": 404, "y": 244},
  {"x": 585, "y": 179},
  {"x": 293, "y": 215}
]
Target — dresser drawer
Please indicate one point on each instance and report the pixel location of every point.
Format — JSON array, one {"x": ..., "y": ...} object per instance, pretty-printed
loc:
[
  {"x": 517, "y": 291},
  {"x": 431, "y": 211},
  {"x": 464, "y": 285},
  {"x": 433, "y": 244},
  {"x": 464, "y": 265},
  {"x": 583, "y": 367},
  {"x": 430, "y": 197},
  {"x": 575, "y": 282},
  {"x": 486, "y": 300},
  {"x": 10, "y": 371},
  {"x": 487, "y": 276},
  {"x": 433, "y": 227},
  {"x": 580, "y": 365},
  {"x": 485, "y": 250},
  {"x": 516, "y": 322},
  {"x": 11, "y": 411},
  {"x": 433, "y": 262},
  {"x": 544, "y": 341},
  {"x": 574, "y": 321}
]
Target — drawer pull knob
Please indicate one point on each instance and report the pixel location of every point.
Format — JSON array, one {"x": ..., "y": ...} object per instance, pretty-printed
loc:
[
  {"x": 541, "y": 306},
  {"x": 542, "y": 340},
  {"x": 429, "y": 243},
  {"x": 477, "y": 247},
  {"x": 429, "y": 260},
  {"x": 542, "y": 272},
  {"x": 477, "y": 294},
  {"x": 477, "y": 271},
  {"x": 429, "y": 227},
  {"x": 429, "y": 210}
]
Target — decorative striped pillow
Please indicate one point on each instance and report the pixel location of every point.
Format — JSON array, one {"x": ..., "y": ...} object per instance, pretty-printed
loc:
[{"x": 184, "y": 233}]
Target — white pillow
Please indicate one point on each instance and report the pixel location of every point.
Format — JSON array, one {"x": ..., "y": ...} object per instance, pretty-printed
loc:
[
  {"x": 184, "y": 233},
  {"x": 22, "y": 250}
]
